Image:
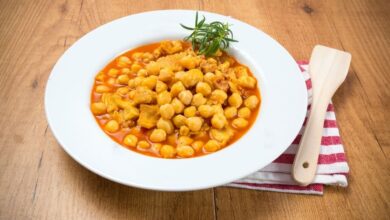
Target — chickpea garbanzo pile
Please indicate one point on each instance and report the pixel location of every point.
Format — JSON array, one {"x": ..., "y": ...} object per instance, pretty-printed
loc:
[{"x": 164, "y": 100}]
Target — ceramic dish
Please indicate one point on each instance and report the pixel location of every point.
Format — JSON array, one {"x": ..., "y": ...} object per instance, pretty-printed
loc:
[{"x": 67, "y": 101}]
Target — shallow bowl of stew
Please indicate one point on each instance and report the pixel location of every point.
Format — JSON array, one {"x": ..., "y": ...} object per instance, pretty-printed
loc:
[{"x": 134, "y": 103}]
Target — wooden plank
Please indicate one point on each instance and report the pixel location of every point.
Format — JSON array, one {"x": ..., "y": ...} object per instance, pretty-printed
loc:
[
  {"x": 299, "y": 25},
  {"x": 364, "y": 29},
  {"x": 38, "y": 179}
]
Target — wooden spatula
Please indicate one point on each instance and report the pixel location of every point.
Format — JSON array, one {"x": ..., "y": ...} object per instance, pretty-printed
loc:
[{"x": 328, "y": 68}]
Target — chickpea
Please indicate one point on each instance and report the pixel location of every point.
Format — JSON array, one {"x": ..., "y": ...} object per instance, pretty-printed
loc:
[
  {"x": 165, "y": 125},
  {"x": 217, "y": 109},
  {"x": 122, "y": 90},
  {"x": 111, "y": 126},
  {"x": 177, "y": 105},
  {"x": 167, "y": 151},
  {"x": 251, "y": 102},
  {"x": 197, "y": 145},
  {"x": 230, "y": 112},
  {"x": 212, "y": 146},
  {"x": 205, "y": 111},
  {"x": 116, "y": 116},
  {"x": 143, "y": 145},
  {"x": 188, "y": 62},
  {"x": 147, "y": 56},
  {"x": 203, "y": 88},
  {"x": 166, "y": 74},
  {"x": 185, "y": 97},
  {"x": 209, "y": 78},
  {"x": 185, "y": 151},
  {"x": 192, "y": 77},
  {"x": 221, "y": 135},
  {"x": 113, "y": 72},
  {"x": 157, "y": 52},
  {"x": 111, "y": 107},
  {"x": 184, "y": 140},
  {"x": 111, "y": 81},
  {"x": 137, "y": 55},
  {"x": 130, "y": 140},
  {"x": 123, "y": 79},
  {"x": 210, "y": 65},
  {"x": 233, "y": 87},
  {"x": 142, "y": 72},
  {"x": 218, "y": 74},
  {"x": 143, "y": 95},
  {"x": 218, "y": 53},
  {"x": 247, "y": 82},
  {"x": 239, "y": 123},
  {"x": 177, "y": 88},
  {"x": 218, "y": 121},
  {"x": 98, "y": 108},
  {"x": 167, "y": 111},
  {"x": 100, "y": 77},
  {"x": 158, "y": 135},
  {"x": 153, "y": 68},
  {"x": 219, "y": 96},
  {"x": 164, "y": 98},
  {"x": 150, "y": 82},
  {"x": 115, "y": 98},
  {"x": 224, "y": 66},
  {"x": 235, "y": 100},
  {"x": 102, "y": 89},
  {"x": 179, "y": 120},
  {"x": 241, "y": 71},
  {"x": 198, "y": 99},
  {"x": 132, "y": 94},
  {"x": 125, "y": 71},
  {"x": 161, "y": 86},
  {"x": 171, "y": 47},
  {"x": 184, "y": 130},
  {"x": 179, "y": 75},
  {"x": 194, "y": 123},
  {"x": 190, "y": 111},
  {"x": 135, "y": 82},
  {"x": 244, "y": 112},
  {"x": 135, "y": 67},
  {"x": 123, "y": 61}
]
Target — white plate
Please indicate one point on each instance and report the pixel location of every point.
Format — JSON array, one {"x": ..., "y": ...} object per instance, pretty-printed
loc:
[{"x": 67, "y": 100}]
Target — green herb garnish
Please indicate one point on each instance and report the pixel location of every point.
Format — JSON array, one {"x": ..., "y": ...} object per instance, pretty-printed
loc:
[{"x": 208, "y": 38}]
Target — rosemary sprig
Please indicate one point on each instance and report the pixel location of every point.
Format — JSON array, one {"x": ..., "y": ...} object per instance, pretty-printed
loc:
[{"x": 208, "y": 38}]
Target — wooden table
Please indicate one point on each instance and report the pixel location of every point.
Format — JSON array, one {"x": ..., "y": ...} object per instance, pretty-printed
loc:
[{"x": 38, "y": 180}]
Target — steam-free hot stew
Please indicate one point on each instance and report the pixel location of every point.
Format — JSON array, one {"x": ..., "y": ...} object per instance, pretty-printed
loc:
[{"x": 165, "y": 100}]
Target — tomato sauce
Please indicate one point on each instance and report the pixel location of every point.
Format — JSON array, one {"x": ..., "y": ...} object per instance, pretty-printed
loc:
[{"x": 142, "y": 133}]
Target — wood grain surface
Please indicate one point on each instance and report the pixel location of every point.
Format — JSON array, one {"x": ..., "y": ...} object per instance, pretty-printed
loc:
[{"x": 38, "y": 180}]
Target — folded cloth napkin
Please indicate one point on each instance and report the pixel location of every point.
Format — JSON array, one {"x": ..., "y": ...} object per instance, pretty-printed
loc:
[{"x": 332, "y": 165}]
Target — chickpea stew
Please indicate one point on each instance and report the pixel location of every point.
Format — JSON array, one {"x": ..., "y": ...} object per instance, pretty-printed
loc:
[{"x": 165, "y": 100}]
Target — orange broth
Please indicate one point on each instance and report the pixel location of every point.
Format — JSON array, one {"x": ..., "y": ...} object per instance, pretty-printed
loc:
[{"x": 143, "y": 133}]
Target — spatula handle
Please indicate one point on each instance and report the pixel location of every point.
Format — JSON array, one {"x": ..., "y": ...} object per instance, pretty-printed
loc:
[{"x": 305, "y": 163}]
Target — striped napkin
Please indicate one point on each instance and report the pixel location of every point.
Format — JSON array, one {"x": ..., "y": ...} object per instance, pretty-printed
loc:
[{"x": 332, "y": 165}]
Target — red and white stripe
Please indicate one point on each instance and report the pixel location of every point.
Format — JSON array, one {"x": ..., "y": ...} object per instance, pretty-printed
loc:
[{"x": 332, "y": 165}]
